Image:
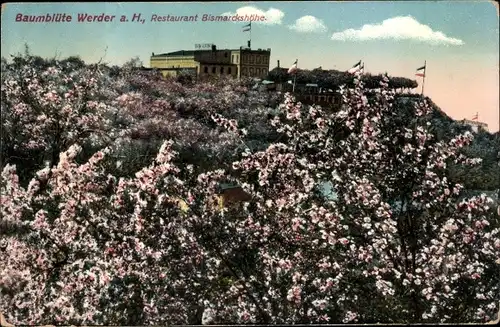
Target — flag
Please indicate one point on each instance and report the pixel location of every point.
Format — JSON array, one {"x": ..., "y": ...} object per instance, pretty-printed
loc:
[
  {"x": 293, "y": 69},
  {"x": 354, "y": 68},
  {"x": 476, "y": 116},
  {"x": 421, "y": 74},
  {"x": 247, "y": 27},
  {"x": 362, "y": 68}
]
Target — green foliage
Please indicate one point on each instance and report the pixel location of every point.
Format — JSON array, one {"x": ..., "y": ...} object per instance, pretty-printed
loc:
[
  {"x": 487, "y": 175},
  {"x": 485, "y": 145},
  {"x": 333, "y": 79}
]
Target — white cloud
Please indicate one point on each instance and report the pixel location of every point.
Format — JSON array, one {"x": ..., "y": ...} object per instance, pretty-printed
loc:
[
  {"x": 397, "y": 28},
  {"x": 308, "y": 24},
  {"x": 273, "y": 16}
]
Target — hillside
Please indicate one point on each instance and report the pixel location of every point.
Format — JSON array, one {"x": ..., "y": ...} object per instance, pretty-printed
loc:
[
  {"x": 485, "y": 146},
  {"x": 193, "y": 103}
]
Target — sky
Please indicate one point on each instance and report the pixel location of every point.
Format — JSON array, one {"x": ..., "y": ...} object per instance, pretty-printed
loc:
[{"x": 458, "y": 40}]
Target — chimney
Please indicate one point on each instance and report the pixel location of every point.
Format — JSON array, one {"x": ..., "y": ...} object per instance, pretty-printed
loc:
[
  {"x": 214, "y": 47},
  {"x": 249, "y": 46},
  {"x": 278, "y": 64}
]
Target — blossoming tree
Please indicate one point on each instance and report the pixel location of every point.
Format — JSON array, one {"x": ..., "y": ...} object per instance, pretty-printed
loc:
[
  {"x": 47, "y": 108},
  {"x": 47, "y": 105},
  {"x": 396, "y": 244},
  {"x": 153, "y": 109}
]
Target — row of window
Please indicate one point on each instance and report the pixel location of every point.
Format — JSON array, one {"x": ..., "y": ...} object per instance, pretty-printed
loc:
[
  {"x": 322, "y": 98},
  {"x": 222, "y": 70},
  {"x": 258, "y": 59},
  {"x": 228, "y": 70},
  {"x": 252, "y": 70}
]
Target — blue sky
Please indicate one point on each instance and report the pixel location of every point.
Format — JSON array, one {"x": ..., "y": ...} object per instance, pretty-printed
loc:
[{"x": 458, "y": 39}]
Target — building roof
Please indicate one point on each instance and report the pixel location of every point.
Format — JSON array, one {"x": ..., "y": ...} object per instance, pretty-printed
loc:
[
  {"x": 167, "y": 68},
  {"x": 226, "y": 186},
  {"x": 261, "y": 51},
  {"x": 192, "y": 52},
  {"x": 280, "y": 69},
  {"x": 473, "y": 122},
  {"x": 177, "y": 53}
]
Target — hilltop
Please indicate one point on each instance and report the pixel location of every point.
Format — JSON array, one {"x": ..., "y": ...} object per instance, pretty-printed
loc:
[{"x": 333, "y": 79}]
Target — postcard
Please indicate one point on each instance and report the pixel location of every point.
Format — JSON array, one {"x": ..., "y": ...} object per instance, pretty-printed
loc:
[{"x": 235, "y": 163}]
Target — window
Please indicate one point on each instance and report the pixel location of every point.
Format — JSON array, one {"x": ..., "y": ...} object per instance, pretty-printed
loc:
[
  {"x": 244, "y": 71},
  {"x": 252, "y": 58},
  {"x": 264, "y": 71},
  {"x": 237, "y": 59},
  {"x": 213, "y": 70},
  {"x": 232, "y": 60},
  {"x": 258, "y": 71},
  {"x": 205, "y": 69},
  {"x": 229, "y": 70},
  {"x": 258, "y": 59},
  {"x": 222, "y": 70},
  {"x": 236, "y": 70},
  {"x": 251, "y": 71},
  {"x": 264, "y": 60}
]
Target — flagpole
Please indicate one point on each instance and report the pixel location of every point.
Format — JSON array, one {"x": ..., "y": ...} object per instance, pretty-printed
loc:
[
  {"x": 295, "y": 75},
  {"x": 423, "y": 80},
  {"x": 248, "y": 28}
]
